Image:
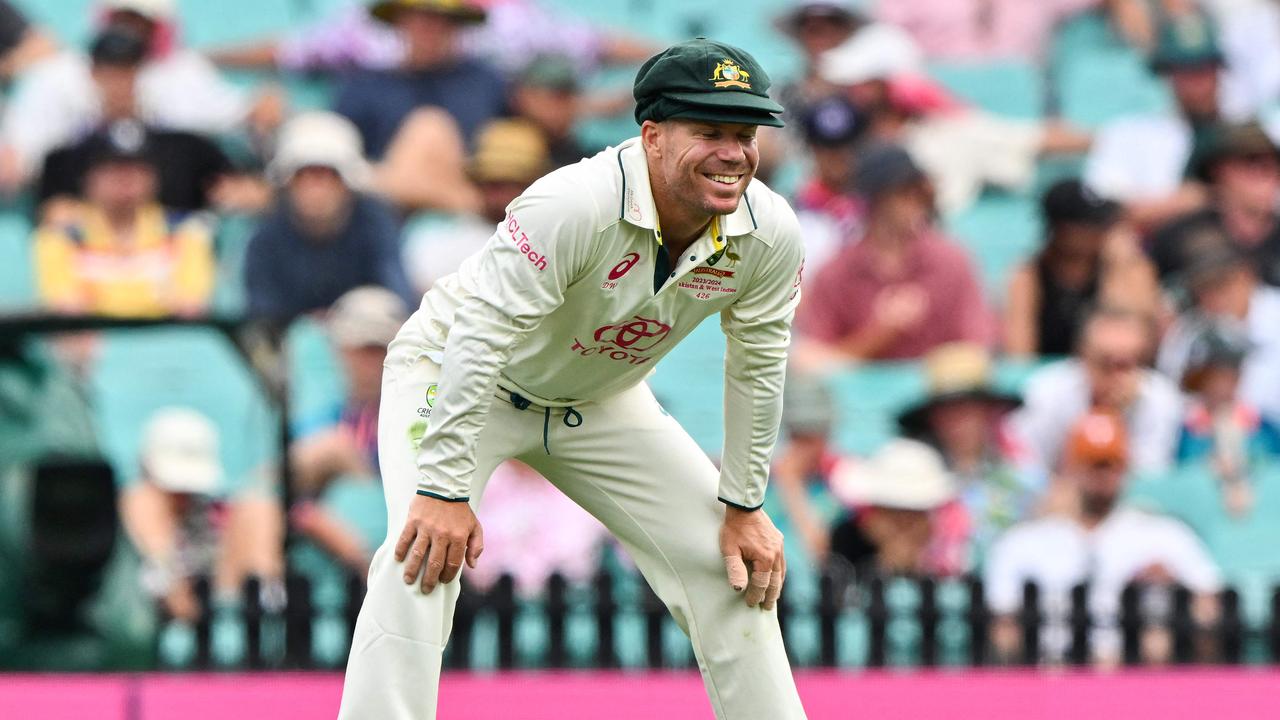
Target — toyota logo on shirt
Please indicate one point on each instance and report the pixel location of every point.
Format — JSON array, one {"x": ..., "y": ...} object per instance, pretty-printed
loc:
[{"x": 638, "y": 333}]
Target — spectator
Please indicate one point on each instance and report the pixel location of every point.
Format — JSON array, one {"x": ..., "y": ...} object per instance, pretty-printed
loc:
[
  {"x": 546, "y": 94},
  {"x": 816, "y": 26},
  {"x": 1143, "y": 161},
  {"x": 1241, "y": 166},
  {"x": 1100, "y": 542},
  {"x": 903, "y": 517},
  {"x": 963, "y": 418},
  {"x": 964, "y": 149},
  {"x": 1107, "y": 373},
  {"x": 343, "y": 446},
  {"x": 518, "y": 542},
  {"x": 831, "y": 215},
  {"x": 901, "y": 290},
  {"x": 804, "y": 462},
  {"x": 517, "y": 31},
  {"x": 178, "y": 89},
  {"x": 21, "y": 44},
  {"x": 510, "y": 155},
  {"x": 126, "y": 255},
  {"x": 1089, "y": 259},
  {"x": 968, "y": 31},
  {"x": 434, "y": 72},
  {"x": 324, "y": 236},
  {"x": 183, "y": 530},
  {"x": 189, "y": 165},
  {"x": 346, "y": 39},
  {"x": 1220, "y": 426},
  {"x": 1222, "y": 288}
]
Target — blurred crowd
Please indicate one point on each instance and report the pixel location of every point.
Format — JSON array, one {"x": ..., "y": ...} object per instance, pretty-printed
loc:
[{"x": 1150, "y": 309}]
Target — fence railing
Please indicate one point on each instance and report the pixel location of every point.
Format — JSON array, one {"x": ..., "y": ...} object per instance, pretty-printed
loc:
[{"x": 616, "y": 621}]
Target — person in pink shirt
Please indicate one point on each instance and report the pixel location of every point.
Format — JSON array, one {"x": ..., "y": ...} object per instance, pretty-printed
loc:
[
  {"x": 989, "y": 30},
  {"x": 901, "y": 290}
]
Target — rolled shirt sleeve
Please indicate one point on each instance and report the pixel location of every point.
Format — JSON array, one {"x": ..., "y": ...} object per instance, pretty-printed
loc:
[
  {"x": 536, "y": 252},
  {"x": 757, "y": 329}
]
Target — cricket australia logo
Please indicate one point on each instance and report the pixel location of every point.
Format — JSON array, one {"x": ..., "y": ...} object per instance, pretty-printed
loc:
[
  {"x": 625, "y": 340},
  {"x": 430, "y": 398},
  {"x": 728, "y": 74}
]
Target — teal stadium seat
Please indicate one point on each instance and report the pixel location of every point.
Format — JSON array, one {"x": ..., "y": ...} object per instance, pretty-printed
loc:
[
  {"x": 141, "y": 371},
  {"x": 17, "y": 286},
  {"x": 1000, "y": 230},
  {"x": 1011, "y": 89},
  {"x": 1097, "y": 77}
]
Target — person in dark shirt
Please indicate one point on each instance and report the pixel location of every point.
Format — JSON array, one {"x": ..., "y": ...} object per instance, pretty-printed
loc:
[
  {"x": 1242, "y": 166},
  {"x": 324, "y": 237},
  {"x": 547, "y": 94},
  {"x": 434, "y": 73},
  {"x": 188, "y": 166},
  {"x": 1090, "y": 258}
]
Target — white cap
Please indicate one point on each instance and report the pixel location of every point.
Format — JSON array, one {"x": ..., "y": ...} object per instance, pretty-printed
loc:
[
  {"x": 905, "y": 474},
  {"x": 876, "y": 52},
  {"x": 180, "y": 451},
  {"x": 153, "y": 9},
  {"x": 320, "y": 139},
  {"x": 366, "y": 316}
]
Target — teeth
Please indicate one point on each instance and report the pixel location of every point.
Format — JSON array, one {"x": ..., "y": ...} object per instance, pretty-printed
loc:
[{"x": 725, "y": 179}]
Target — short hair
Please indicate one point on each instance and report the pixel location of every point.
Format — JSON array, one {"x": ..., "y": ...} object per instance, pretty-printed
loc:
[{"x": 1110, "y": 313}]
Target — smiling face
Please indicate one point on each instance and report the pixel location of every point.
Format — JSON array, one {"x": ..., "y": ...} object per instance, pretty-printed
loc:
[{"x": 699, "y": 169}]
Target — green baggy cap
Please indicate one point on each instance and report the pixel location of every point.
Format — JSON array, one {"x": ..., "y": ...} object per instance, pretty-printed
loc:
[{"x": 701, "y": 79}]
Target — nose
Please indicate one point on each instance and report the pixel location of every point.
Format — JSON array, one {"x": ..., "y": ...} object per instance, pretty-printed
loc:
[{"x": 730, "y": 150}]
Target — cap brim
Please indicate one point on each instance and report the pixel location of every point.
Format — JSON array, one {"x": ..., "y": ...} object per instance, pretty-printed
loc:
[
  {"x": 386, "y": 12},
  {"x": 728, "y": 107},
  {"x": 734, "y": 99},
  {"x": 914, "y": 421}
]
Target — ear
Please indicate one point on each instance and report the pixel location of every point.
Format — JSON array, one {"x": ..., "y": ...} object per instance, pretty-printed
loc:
[{"x": 651, "y": 137}]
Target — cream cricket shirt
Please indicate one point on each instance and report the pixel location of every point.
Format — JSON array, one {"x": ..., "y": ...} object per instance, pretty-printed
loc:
[{"x": 560, "y": 307}]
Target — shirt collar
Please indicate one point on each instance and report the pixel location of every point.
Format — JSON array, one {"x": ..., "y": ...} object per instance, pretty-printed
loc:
[{"x": 636, "y": 204}]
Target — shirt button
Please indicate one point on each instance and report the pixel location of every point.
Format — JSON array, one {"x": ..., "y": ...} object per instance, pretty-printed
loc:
[
  {"x": 693, "y": 257},
  {"x": 673, "y": 274}
]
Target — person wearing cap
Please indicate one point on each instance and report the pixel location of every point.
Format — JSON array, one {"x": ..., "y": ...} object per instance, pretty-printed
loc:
[
  {"x": 816, "y": 26},
  {"x": 177, "y": 89},
  {"x": 325, "y": 235},
  {"x": 510, "y": 154},
  {"x": 546, "y": 93},
  {"x": 830, "y": 213},
  {"x": 902, "y": 513},
  {"x": 1108, "y": 370},
  {"x": 190, "y": 167},
  {"x": 1240, "y": 165},
  {"x": 340, "y": 444},
  {"x": 177, "y": 516},
  {"x": 963, "y": 417},
  {"x": 537, "y": 350},
  {"x": 1089, "y": 258},
  {"x": 124, "y": 254},
  {"x": 1220, "y": 425},
  {"x": 1221, "y": 286},
  {"x": 1098, "y": 540},
  {"x": 803, "y": 464},
  {"x": 433, "y": 73},
  {"x": 902, "y": 289},
  {"x": 1144, "y": 161}
]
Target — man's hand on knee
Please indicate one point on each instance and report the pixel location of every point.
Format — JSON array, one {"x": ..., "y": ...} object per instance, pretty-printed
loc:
[
  {"x": 438, "y": 535},
  {"x": 749, "y": 540}
]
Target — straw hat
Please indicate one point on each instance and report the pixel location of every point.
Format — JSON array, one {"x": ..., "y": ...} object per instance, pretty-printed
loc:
[{"x": 955, "y": 371}]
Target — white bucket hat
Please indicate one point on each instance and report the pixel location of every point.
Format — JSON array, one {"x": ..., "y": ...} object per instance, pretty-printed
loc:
[
  {"x": 876, "y": 52},
  {"x": 151, "y": 9},
  {"x": 365, "y": 317},
  {"x": 322, "y": 139},
  {"x": 180, "y": 451},
  {"x": 905, "y": 474}
]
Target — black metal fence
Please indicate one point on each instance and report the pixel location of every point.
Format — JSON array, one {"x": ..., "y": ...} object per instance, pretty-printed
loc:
[{"x": 878, "y": 622}]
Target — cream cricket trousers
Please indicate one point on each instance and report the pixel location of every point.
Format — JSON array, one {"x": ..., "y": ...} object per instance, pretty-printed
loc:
[{"x": 631, "y": 466}]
